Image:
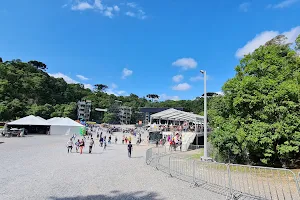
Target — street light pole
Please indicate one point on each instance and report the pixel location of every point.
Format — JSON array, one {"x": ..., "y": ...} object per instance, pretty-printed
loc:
[{"x": 205, "y": 157}]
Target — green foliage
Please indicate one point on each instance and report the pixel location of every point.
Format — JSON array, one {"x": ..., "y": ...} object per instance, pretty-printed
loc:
[
  {"x": 298, "y": 42},
  {"x": 25, "y": 88},
  {"x": 258, "y": 119},
  {"x": 100, "y": 87},
  {"x": 38, "y": 65},
  {"x": 152, "y": 96},
  {"x": 109, "y": 117}
]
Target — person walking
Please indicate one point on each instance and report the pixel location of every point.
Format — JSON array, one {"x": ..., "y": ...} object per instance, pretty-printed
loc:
[
  {"x": 81, "y": 145},
  {"x": 109, "y": 139},
  {"x": 101, "y": 141},
  {"x": 77, "y": 144},
  {"x": 91, "y": 145},
  {"x": 104, "y": 144},
  {"x": 116, "y": 140},
  {"x": 129, "y": 148},
  {"x": 70, "y": 145}
]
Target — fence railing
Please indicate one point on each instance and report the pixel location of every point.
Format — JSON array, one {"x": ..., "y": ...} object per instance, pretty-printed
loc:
[{"x": 231, "y": 180}]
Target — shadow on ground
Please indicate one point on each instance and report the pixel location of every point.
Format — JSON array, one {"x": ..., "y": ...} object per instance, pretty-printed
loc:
[{"x": 115, "y": 195}]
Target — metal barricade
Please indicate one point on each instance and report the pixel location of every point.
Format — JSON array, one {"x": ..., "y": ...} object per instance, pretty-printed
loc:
[
  {"x": 181, "y": 168},
  {"x": 263, "y": 182},
  {"x": 212, "y": 176},
  {"x": 233, "y": 180}
]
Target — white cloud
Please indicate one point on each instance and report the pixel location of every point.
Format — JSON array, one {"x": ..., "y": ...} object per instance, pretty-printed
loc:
[
  {"x": 256, "y": 42},
  {"x": 116, "y": 8},
  {"x": 110, "y": 91},
  {"x": 107, "y": 10},
  {"x": 182, "y": 87},
  {"x": 185, "y": 63},
  {"x": 81, "y": 77},
  {"x": 244, "y": 7},
  {"x": 197, "y": 78},
  {"x": 108, "y": 13},
  {"x": 132, "y": 4},
  {"x": 126, "y": 72},
  {"x": 141, "y": 14},
  {"x": 166, "y": 97},
  {"x": 116, "y": 93},
  {"x": 98, "y": 4},
  {"x": 283, "y": 4},
  {"x": 121, "y": 92},
  {"x": 135, "y": 11},
  {"x": 114, "y": 86},
  {"x": 264, "y": 37},
  {"x": 292, "y": 34},
  {"x": 130, "y": 14},
  {"x": 177, "y": 78},
  {"x": 89, "y": 86},
  {"x": 65, "y": 77},
  {"x": 82, "y": 6},
  {"x": 70, "y": 80}
]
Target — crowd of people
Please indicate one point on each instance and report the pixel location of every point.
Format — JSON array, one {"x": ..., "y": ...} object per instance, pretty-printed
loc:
[{"x": 88, "y": 140}]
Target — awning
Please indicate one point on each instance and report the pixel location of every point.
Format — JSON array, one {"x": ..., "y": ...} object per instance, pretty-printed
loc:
[
  {"x": 177, "y": 115},
  {"x": 30, "y": 120}
]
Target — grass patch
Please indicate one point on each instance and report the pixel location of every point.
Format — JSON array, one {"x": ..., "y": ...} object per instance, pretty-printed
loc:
[{"x": 197, "y": 155}]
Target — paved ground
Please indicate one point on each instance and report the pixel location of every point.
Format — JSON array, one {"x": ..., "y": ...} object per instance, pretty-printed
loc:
[{"x": 38, "y": 167}]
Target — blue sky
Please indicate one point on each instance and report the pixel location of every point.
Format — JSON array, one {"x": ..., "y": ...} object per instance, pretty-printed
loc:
[{"x": 145, "y": 46}]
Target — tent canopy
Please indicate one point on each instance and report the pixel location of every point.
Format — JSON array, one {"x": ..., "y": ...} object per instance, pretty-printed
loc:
[
  {"x": 61, "y": 121},
  {"x": 30, "y": 120},
  {"x": 177, "y": 115},
  {"x": 64, "y": 126}
]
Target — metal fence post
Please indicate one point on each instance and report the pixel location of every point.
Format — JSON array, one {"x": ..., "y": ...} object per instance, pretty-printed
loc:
[
  {"x": 157, "y": 160},
  {"x": 229, "y": 181},
  {"x": 194, "y": 173},
  {"x": 170, "y": 166}
]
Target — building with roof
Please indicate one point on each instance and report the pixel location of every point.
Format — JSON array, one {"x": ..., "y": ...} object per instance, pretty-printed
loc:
[
  {"x": 147, "y": 112},
  {"x": 174, "y": 115},
  {"x": 125, "y": 114},
  {"x": 84, "y": 109}
]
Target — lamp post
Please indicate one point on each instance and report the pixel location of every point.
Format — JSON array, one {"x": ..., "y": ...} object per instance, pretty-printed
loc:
[{"x": 205, "y": 157}]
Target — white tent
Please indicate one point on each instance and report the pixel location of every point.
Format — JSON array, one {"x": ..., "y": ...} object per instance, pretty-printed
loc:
[
  {"x": 31, "y": 121},
  {"x": 64, "y": 126}
]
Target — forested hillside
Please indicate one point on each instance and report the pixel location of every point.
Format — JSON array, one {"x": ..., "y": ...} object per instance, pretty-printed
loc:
[{"x": 27, "y": 88}]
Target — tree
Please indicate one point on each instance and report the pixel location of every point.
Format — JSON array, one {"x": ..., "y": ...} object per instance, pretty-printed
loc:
[
  {"x": 38, "y": 65},
  {"x": 152, "y": 96},
  {"x": 25, "y": 88},
  {"x": 258, "y": 119},
  {"x": 278, "y": 40},
  {"x": 109, "y": 117},
  {"x": 1, "y": 61},
  {"x": 100, "y": 87},
  {"x": 298, "y": 43}
]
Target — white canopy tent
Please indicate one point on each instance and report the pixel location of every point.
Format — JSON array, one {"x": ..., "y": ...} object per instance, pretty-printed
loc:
[
  {"x": 30, "y": 121},
  {"x": 64, "y": 126},
  {"x": 31, "y": 125},
  {"x": 177, "y": 115}
]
